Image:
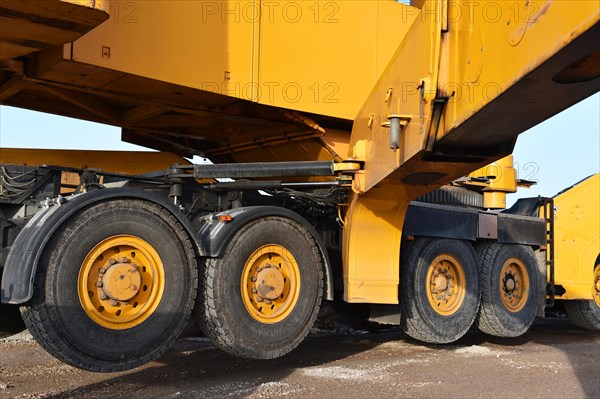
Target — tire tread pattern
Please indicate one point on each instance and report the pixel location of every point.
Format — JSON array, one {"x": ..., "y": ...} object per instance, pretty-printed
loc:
[
  {"x": 211, "y": 320},
  {"x": 37, "y": 320},
  {"x": 413, "y": 322},
  {"x": 584, "y": 313},
  {"x": 488, "y": 319}
]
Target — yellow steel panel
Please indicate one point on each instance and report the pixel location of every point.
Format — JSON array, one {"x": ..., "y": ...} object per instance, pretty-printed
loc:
[
  {"x": 127, "y": 162},
  {"x": 413, "y": 65},
  {"x": 467, "y": 64},
  {"x": 320, "y": 57},
  {"x": 206, "y": 45},
  {"x": 442, "y": 53},
  {"x": 371, "y": 245},
  {"x": 494, "y": 44},
  {"x": 27, "y": 26},
  {"x": 324, "y": 57},
  {"x": 577, "y": 238}
]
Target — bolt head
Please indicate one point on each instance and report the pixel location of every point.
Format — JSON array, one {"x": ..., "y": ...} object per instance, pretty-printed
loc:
[
  {"x": 254, "y": 290},
  {"x": 268, "y": 301},
  {"x": 98, "y": 284},
  {"x": 124, "y": 260},
  {"x": 103, "y": 297},
  {"x": 114, "y": 303},
  {"x": 259, "y": 299},
  {"x": 253, "y": 279},
  {"x": 112, "y": 261}
]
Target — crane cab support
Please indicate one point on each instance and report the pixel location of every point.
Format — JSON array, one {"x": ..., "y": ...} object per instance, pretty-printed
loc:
[{"x": 457, "y": 54}]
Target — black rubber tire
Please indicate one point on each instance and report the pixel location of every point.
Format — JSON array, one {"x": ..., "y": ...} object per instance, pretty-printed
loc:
[
  {"x": 11, "y": 322},
  {"x": 56, "y": 318},
  {"x": 419, "y": 319},
  {"x": 494, "y": 318},
  {"x": 585, "y": 314},
  {"x": 223, "y": 315},
  {"x": 451, "y": 195}
]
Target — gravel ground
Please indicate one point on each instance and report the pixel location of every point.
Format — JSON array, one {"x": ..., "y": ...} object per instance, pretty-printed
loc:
[{"x": 553, "y": 360}]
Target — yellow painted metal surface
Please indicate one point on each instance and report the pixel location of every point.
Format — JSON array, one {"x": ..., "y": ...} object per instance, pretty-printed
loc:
[
  {"x": 238, "y": 48},
  {"x": 502, "y": 180},
  {"x": 333, "y": 53},
  {"x": 32, "y": 25},
  {"x": 217, "y": 78},
  {"x": 373, "y": 229},
  {"x": 414, "y": 64},
  {"x": 577, "y": 238},
  {"x": 197, "y": 44},
  {"x": 495, "y": 46},
  {"x": 462, "y": 105},
  {"x": 371, "y": 245},
  {"x": 126, "y": 162},
  {"x": 488, "y": 101}
]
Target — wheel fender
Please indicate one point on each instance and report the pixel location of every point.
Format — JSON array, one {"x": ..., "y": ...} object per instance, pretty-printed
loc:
[
  {"x": 21, "y": 263},
  {"x": 219, "y": 229}
]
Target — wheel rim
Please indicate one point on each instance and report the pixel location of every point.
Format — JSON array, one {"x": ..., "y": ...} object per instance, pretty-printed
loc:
[
  {"x": 514, "y": 285},
  {"x": 121, "y": 282},
  {"x": 446, "y": 285},
  {"x": 597, "y": 285},
  {"x": 270, "y": 284}
]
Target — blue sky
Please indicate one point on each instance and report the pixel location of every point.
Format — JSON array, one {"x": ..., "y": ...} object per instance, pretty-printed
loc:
[{"x": 556, "y": 153}]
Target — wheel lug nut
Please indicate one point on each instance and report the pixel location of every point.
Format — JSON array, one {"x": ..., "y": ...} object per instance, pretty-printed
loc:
[
  {"x": 98, "y": 284},
  {"x": 124, "y": 260},
  {"x": 114, "y": 303},
  {"x": 112, "y": 261},
  {"x": 268, "y": 301},
  {"x": 103, "y": 297},
  {"x": 253, "y": 279},
  {"x": 259, "y": 299},
  {"x": 254, "y": 290},
  {"x": 258, "y": 269}
]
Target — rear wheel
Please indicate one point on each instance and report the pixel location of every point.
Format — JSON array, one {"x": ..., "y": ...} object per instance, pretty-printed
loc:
[
  {"x": 586, "y": 314},
  {"x": 440, "y": 289},
  {"x": 510, "y": 289},
  {"x": 262, "y": 296},
  {"x": 114, "y": 286}
]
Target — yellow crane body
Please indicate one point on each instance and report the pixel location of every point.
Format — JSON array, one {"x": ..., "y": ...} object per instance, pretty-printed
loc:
[
  {"x": 361, "y": 151},
  {"x": 577, "y": 239}
]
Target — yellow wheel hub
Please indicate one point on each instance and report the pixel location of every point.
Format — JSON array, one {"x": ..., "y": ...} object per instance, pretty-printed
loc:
[
  {"x": 514, "y": 285},
  {"x": 121, "y": 282},
  {"x": 446, "y": 285},
  {"x": 270, "y": 284},
  {"x": 596, "y": 292}
]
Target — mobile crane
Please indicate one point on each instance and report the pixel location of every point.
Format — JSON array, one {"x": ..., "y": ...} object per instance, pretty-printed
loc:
[{"x": 318, "y": 201}]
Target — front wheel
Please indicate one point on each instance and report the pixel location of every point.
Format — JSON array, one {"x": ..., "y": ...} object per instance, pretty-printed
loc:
[
  {"x": 260, "y": 299},
  {"x": 114, "y": 287},
  {"x": 586, "y": 314},
  {"x": 510, "y": 289},
  {"x": 439, "y": 289}
]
